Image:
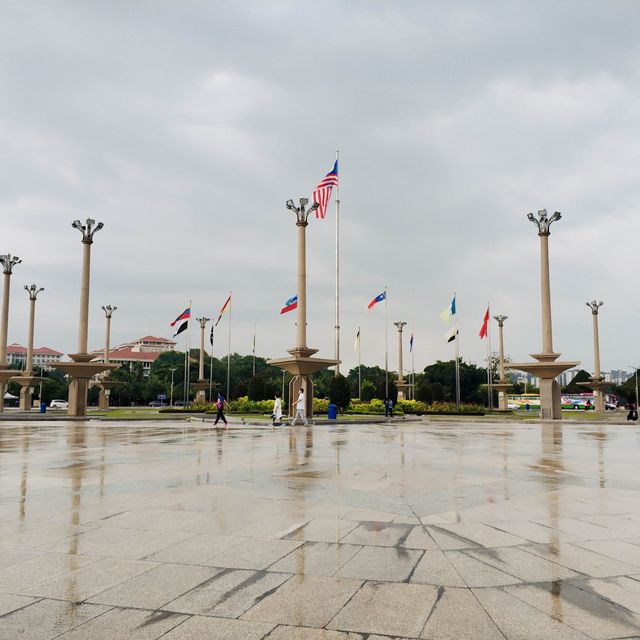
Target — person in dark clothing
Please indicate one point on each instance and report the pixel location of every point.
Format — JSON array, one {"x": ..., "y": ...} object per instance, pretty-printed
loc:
[
  {"x": 633, "y": 412},
  {"x": 220, "y": 407}
]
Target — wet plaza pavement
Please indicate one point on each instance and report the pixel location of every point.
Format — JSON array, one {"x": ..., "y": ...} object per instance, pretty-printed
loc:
[{"x": 439, "y": 530}]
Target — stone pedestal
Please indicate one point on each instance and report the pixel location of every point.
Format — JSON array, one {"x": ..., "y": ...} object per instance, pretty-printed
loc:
[
  {"x": 27, "y": 381},
  {"x": 547, "y": 370},
  {"x": 597, "y": 385},
  {"x": 105, "y": 385},
  {"x": 302, "y": 366},
  {"x": 403, "y": 390},
  {"x": 81, "y": 370},
  {"x": 503, "y": 401},
  {"x": 5, "y": 376},
  {"x": 201, "y": 387}
]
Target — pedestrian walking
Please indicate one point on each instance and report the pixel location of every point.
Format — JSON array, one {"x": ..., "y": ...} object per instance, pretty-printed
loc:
[
  {"x": 633, "y": 412},
  {"x": 301, "y": 406},
  {"x": 220, "y": 407},
  {"x": 276, "y": 416}
]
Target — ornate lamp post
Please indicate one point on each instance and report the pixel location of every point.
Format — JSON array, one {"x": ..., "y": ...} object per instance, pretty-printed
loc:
[
  {"x": 596, "y": 382},
  {"x": 502, "y": 385},
  {"x": 105, "y": 384},
  {"x": 201, "y": 385},
  {"x": 546, "y": 369},
  {"x": 27, "y": 379},
  {"x": 81, "y": 370},
  {"x": 8, "y": 262},
  {"x": 402, "y": 387},
  {"x": 301, "y": 363}
]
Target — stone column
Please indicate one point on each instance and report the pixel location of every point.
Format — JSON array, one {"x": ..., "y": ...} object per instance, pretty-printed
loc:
[
  {"x": 502, "y": 385},
  {"x": 81, "y": 370},
  {"x": 8, "y": 262},
  {"x": 201, "y": 385},
  {"x": 400, "y": 385},
  {"x": 301, "y": 331},
  {"x": 597, "y": 379},
  {"x": 546, "y": 369},
  {"x": 27, "y": 379},
  {"x": 105, "y": 384},
  {"x": 301, "y": 364}
]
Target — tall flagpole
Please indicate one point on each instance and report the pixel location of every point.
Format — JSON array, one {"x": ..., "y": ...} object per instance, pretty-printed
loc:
[
  {"x": 359, "y": 366},
  {"x": 254, "y": 349},
  {"x": 413, "y": 363},
  {"x": 229, "y": 350},
  {"x": 457, "y": 356},
  {"x": 489, "y": 374},
  {"x": 386, "y": 345},
  {"x": 337, "y": 325},
  {"x": 186, "y": 401},
  {"x": 211, "y": 365}
]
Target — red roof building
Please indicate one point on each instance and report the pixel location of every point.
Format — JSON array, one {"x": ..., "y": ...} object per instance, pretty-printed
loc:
[
  {"x": 42, "y": 357},
  {"x": 144, "y": 350}
]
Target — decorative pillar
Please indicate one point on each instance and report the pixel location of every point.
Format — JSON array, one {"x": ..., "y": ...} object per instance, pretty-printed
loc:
[
  {"x": 27, "y": 379},
  {"x": 8, "y": 262},
  {"x": 105, "y": 384},
  {"x": 502, "y": 385},
  {"x": 596, "y": 382},
  {"x": 81, "y": 369},
  {"x": 402, "y": 387},
  {"x": 546, "y": 369},
  {"x": 301, "y": 364},
  {"x": 201, "y": 385}
]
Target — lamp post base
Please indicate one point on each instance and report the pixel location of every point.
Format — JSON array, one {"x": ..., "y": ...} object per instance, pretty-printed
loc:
[
  {"x": 105, "y": 385},
  {"x": 201, "y": 387},
  {"x": 26, "y": 382},
  {"x": 503, "y": 400},
  {"x": 302, "y": 368},
  {"x": 597, "y": 385},
  {"x": 547, "y": 370},
  {"x": 5, "y": 376},
  {"x": 81, "y": 371},
  {"x": 403, "y": 390}
]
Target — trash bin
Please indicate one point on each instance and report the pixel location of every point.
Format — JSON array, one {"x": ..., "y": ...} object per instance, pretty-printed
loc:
[
  {"x": 332, "y": 412},
  {"x": 43, "y": 407}
]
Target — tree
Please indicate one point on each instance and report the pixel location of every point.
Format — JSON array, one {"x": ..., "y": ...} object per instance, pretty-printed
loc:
[
  {"x": 339, "y": 392},
  {"x": 573, "y": 387},
  {"x": 471, "y": 379},
  {"x": 368, "y": 391},
  {"x": 256, "y": 388}
]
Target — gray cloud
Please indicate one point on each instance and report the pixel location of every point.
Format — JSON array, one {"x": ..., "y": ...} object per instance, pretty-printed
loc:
[{"x": 185, "y": 127}]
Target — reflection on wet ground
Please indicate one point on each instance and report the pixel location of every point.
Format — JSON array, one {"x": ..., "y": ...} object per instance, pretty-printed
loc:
[{"x": 417, "y": 530}]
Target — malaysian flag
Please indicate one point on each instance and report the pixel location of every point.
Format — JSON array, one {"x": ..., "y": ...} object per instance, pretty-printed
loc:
[{"x": 322, "y": 192}]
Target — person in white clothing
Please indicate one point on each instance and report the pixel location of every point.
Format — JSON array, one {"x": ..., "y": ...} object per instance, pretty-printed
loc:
[
  {"x": 301, "y": 406},
  {"x": 277, "y": 410}
]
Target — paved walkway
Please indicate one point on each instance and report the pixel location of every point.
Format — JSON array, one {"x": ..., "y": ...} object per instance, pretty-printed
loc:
[{"x": 454, "y": 530}]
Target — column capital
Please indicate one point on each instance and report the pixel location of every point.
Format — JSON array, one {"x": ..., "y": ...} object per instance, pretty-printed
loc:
[
  {"x": 594, "y": 306},
  {"x": 8, "y": 262},
  {"x": 543, "y": 221},
  {"x": 203, "y": 322},
  {"x": 500, "y": 319},
  {"x": 88, "y": 229},
  {"x": 301, "y": 212},
  {"x": 33, "y": 291}
]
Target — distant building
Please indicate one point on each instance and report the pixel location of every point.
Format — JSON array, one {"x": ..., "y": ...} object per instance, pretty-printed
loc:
[
  {"x": 144, "y": 350},
  {"x": 44, "y": 357}
]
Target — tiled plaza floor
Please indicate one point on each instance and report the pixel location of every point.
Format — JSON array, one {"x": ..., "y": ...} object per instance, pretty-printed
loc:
[{"x": 419, "y": 530}]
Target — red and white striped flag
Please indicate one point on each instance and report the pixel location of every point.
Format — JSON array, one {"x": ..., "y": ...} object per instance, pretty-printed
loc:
[{"x": 322, "y": 192}]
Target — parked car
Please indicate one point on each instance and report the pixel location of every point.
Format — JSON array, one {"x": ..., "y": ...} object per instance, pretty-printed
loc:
[
  {"x": 157, "y": 403},
  {"x": 610, "y": 406},
  {"x": 59, "y": 404}
]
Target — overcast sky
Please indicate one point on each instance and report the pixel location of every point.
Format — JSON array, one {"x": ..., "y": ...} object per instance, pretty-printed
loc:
[{"x": 185, "y": 126}]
